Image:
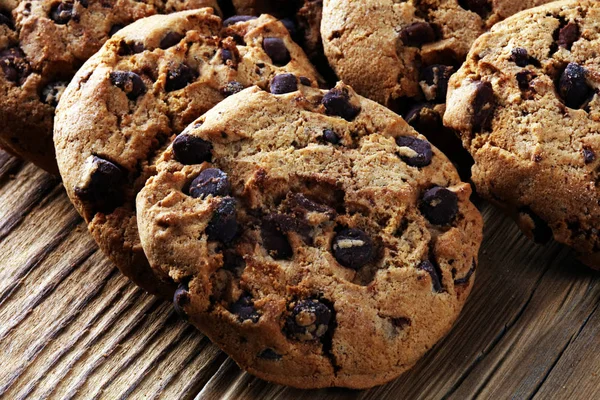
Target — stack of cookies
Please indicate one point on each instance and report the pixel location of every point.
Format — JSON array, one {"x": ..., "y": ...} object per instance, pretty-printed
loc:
[{"x": 269, "y": 165}]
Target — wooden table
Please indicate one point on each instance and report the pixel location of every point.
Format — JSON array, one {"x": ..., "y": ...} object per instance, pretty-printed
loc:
[{"x": 72, "y": 327}]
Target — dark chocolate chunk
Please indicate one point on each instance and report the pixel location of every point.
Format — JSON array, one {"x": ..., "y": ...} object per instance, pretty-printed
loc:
[
  {"x": 414, "y": 151},
  {"x": 269, "y": 354},
  {"x": 484, "y": 104},
  {"x": 276, "y": 50},
  {"x": 417, "y": 34},
  {"x": 274, "y": 240},
  {"x": 226, "y": 55},
  {"x": 573, "y": 86},
  {"x": 102, "y": 187},
  {"x": 588, "y": 155},
  {"x": 432, "y": 270},
  {"x": 61, "y": 13},
  {"x": 567, "y": 35},
  {"x": 14, "y": 65},
  {"x": 237, "y": 18},
  {"x": 223, "y": 225},
  {"x": 309, "y": 320},
  {"x": 51, "y": 93},
  {"x": 284, "y": 83},
  {"x": 210, "y": 182},
  {"x": 465, "y": 279},
  {"x": 244, "y": 309},
  {"x": 353, "y": 248},
  {"x": 232, "y": 88},
  {"x": 189, "y": 149},
  {"x": 180, "y": 77},
  {"x": 181, "y": 298},
  {"x": 170, "y": 40},
  {"x": 519, "y": 56},
  {"x": 331, "y": 137},
  {"x": 129, "y": 82},
  {"x": 300, "y": 205},
  {"x": 130, "y": 48},
  {"x": 439, "y": 205},
  {"x": 305, "y": 81},
  {"x": 337, "y": 102}
]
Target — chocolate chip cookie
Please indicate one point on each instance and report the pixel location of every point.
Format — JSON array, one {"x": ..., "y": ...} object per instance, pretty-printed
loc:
[
  {"x": 527, "y": 108},
  {"x": 392, "y": 50},
  {"x": 314, "y": 235},
  {"x": 146, "y": 84},
  {"x": 42, "y": 44}
]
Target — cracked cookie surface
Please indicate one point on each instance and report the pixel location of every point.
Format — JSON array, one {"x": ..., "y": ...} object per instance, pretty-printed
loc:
[
  {"x": 315, "y": 236},
  {"x": 382, "y": 47},
  {"x": 526, "y": 105},
  {"x": 42, "y": 44},
  {"x": 147, "y": 83}
]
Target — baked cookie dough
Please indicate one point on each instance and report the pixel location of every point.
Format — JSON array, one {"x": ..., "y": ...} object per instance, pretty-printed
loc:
[
  {"x": 146, "y": 84},
  {"x": 527, "y": 108},
  {"x": 314, "y": 235}
]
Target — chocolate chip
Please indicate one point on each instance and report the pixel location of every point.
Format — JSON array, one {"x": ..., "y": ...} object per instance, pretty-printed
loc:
[
  {"x": 484, "y": 104},
  {"x": 541, "y": 231},
  {"x": 305, "y": 81},
  {"x": 226, "y": 55},
  {"x": 573, "y": 87},
  {"x": 15, "y": 67},
  {"x": 300, "y": 205},
  {"x": 330, "y": 136},
  {"x": 223, "y": 225},
  {"x": 129, "y": 82},
  {"x": 284, "y": 83},
  {"x": 210, "y": 182},
  {"x": 181, "y": 298},
  {"x": 232, "y": 88},
  {"x": 276, "y": 50},
  {"x": 309, "y": 320},
  {"x": 337, "y": 102},
  {"x": 431, "y": 269},
  {"x": 413, "y": 151},
  {"x": 130, "y": 48},
  {"x": 275, "y": 241},
  {"x": 114, "y": 29},
  {"x": 425, "y": 119},
  {"x": 238, "y": 18},
  {"x": 102, "y": 185},
  {"x": 170, "y": 40},
  {"x": 588, "y": 155},
  {"x": 62, "y": 13},
  {"x": 465, "y": 279},
  {"x": 51, "y": 93},
  {"x": 180, "y": 77},
  {"x": 436, "y": 77},
  {"x": 6, "y": 20},
  {"x": 417, "y": 34},
  {"x": 439, "y": 205},
  {"x": 519, "y": 56},
  {"x": 568, "y": 35},
  {"x": 244, "y": 309},
  {"x": 269, "y": 354},
  {"x": 352, "y": 248},
  {"x": 400, "y": 322},
  {"x": 480, "y": 7},
  {"x": 189, "y": 149},
  {"x": 524, "y": 79}
]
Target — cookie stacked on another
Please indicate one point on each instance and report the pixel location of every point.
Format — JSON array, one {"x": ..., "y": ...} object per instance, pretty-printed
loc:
[
  {"x": 42, "y": 44},
  {"x": 315, "y": 236},
  {"x": 145, "y": 85},
  {"x": 526, "y": 105}
]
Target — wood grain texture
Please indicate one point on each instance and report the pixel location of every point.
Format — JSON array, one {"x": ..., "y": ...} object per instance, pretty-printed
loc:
[{"x": 72, "y": 327}]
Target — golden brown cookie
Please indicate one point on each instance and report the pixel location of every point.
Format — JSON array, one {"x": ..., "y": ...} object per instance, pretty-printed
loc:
[
  {"x": 42, "y": 44},
  {"x": 526, "y": 106},
  {"x": 148, "y": 82},
  {"x": 315, "y": 236}
]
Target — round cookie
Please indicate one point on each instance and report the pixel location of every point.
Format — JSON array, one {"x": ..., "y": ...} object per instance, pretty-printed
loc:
[
  {"x": 146, "y": 84},
  {"x": 526, "y": 106},
  {"x": 42, "y": 44},
  {"x": 315, "y": 236},
  {"x": 392, "y": 50}
]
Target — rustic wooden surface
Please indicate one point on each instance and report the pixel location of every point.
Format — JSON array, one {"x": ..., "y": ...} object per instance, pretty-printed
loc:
[{"x": 72, "y": 327}]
